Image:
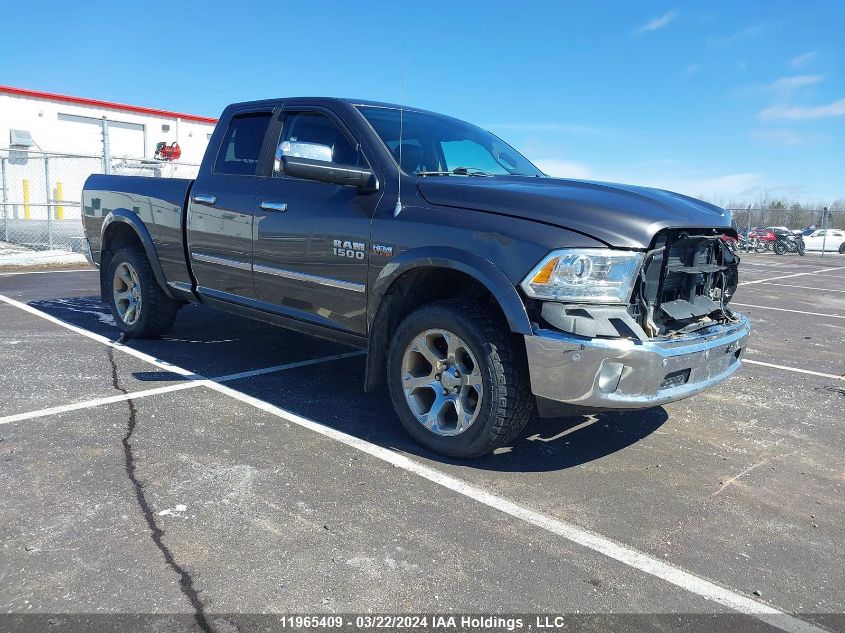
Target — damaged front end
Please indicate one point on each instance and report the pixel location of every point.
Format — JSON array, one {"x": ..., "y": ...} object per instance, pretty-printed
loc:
[
  {"x": 675, "y": 338},
  {"x": 686, "y": 282}
]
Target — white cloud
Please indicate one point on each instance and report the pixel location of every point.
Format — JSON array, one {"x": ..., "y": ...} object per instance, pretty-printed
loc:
[
  {"x": 787, "y": 138},
  {"x": 836, "y": 108},
  {"x": 564, "y": 168},
  {"x": 738, "y": 36},
  {"x": 691, "y": 70},
  {"x": 655, "y": 24},
  {"x": 692, "y": 184},
  {"x": 727, "y": 185},
  {"x": 795, "y": 81},
  {"x": 800, "y": 60}
]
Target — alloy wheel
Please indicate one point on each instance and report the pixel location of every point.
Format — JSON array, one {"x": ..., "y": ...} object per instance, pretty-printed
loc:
[
  {"x": 126, "y": 289},
  {"x": 442, "y": 382}
]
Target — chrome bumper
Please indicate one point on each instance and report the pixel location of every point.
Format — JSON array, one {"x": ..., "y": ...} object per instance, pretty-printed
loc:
[{"x": 629, "y": 374}]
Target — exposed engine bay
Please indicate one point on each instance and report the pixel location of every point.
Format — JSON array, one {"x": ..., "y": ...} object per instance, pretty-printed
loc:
[{"x": 686, "y": 281}]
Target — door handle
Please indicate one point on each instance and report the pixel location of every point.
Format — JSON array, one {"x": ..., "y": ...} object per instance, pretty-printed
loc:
[
  {"x": 279, "y": 207},
  {"x": 202, "y": 198}
]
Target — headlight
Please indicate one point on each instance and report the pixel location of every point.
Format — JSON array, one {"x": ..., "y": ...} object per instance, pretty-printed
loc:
[{"x": 587, "y": 275}]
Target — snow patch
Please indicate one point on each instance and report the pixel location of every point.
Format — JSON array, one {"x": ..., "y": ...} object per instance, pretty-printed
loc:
[{"x": 14, "y": 256}]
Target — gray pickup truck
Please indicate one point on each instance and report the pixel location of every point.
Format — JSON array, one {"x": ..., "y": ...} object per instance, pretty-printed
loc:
[{"x": 478, "y": 286}]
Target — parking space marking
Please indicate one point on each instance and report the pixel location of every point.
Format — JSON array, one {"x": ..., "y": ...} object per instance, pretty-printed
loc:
[
  {"x": 45, "y": 272},
  {"x": 104, "y": 340},
  {"x": 832, "y": 276},
  {"x": 573, "y": 533},
  {"x": 814, "y": 272},
  {"x": 295, "y": 365},
  {"x": 581, "y": 536},
  {"x": 768, "y": 283},
  {"x": 98, "y": 402},
  {"x": 821, "y": 314},
  {"x": 795, "y": 369}
]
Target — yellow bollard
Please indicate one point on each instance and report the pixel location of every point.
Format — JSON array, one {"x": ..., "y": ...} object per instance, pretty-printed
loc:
[
  {"x": 26, "y": 213},
  {"x": 60, "y": 210}
]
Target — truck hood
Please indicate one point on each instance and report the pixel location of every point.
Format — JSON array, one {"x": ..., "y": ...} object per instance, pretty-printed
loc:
[{"x": 622, "y": 216}]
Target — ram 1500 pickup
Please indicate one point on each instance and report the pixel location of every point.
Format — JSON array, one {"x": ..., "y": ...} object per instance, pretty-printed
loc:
[{"x": 477, "y": 285}]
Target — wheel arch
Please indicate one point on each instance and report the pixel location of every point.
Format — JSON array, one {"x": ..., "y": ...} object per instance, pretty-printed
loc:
[
  {"x": 120, "y": 228},
  {"x": 427, "y": 271}
]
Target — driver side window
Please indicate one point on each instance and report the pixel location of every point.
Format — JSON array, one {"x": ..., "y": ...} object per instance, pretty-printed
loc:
[{"x": 314, "y": 136}]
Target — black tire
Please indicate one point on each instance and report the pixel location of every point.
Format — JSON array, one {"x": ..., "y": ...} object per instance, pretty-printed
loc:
[
  {"x": 842, "y": 248},
  {"x": 507, "y": 402},
  {"x": 779, "y": 248},
  {"x": 801, "y": 247},
  {"x": 157, "y": 310}
]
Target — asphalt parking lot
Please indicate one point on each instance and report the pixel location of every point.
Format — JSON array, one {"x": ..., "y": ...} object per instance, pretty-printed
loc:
[{"x": 133, "y": 484}]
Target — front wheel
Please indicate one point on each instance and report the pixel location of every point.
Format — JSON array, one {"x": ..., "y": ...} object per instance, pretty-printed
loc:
[
  {"x": 138, "y": 304},
  {"x": 779, "y": 248},
  {"x": 457, "y": 379},
  {"x": 842, "y": 248}
]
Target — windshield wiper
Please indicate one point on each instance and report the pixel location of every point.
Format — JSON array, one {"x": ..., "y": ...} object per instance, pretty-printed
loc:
[{"x": 459, "y": 171}]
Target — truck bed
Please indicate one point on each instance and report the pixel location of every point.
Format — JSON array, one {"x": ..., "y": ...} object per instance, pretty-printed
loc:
[{"x": 160, "y": 204}]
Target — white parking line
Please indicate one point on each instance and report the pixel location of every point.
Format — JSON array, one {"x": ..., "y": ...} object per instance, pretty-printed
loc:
[
  {"x": 821, "y": 314},
  {"x": 815, "y": 272},
  {"x": 295, "y": 365},
  {"x": 795, "y": 369},
  {"x": 768, "y": 283},
  {"x": 586, "y": 538},
  {"x": 46, "y": 272},
  {"x": 98, "y": 402}
]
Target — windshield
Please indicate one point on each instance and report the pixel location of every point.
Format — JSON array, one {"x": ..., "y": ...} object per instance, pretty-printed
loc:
[{"x": 433, "y": 145}]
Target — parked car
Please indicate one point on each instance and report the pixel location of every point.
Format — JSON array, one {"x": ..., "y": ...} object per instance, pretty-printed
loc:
[
  {"x": 477, "y": 284},
  {"x": 764, "y": 234},
  {"x": 831, "y": 240}
]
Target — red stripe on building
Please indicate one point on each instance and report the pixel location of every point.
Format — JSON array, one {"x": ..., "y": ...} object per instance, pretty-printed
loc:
[{"x": 37, "y": 94}]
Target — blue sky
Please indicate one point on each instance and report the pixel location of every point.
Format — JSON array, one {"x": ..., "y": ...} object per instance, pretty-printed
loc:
[{"x": 730, "y": 100}]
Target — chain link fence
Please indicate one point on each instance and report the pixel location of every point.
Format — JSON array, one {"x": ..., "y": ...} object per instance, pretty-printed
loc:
[
  {"x": 795, "y": 218},
  {"x": 40, "y": 193}
]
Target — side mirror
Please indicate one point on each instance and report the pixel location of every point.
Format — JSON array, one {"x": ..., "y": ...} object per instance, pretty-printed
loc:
[{"x": 334, "y": 173}]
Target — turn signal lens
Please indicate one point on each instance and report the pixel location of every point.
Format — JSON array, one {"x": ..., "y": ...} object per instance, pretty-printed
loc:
[{"x": 545, "y": 273}]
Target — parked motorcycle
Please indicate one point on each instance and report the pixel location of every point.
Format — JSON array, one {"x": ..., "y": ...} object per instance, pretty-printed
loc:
[{"x": 787, "y": 242}]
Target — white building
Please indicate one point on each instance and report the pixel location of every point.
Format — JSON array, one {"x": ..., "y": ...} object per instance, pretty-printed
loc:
[
  {"x": 74, "y": 125},
  {"x": 51, "y": 143}
]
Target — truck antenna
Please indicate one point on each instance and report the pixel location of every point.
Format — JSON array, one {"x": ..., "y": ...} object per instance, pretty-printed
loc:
[{"x": 398, "y": 208}]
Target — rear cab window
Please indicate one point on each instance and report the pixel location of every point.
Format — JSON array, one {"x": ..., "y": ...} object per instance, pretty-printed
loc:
[{"x": 240, "y": 151}]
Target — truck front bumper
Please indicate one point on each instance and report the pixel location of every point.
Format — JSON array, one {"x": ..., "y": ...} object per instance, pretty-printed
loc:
[{"x": 609, "y": 373}]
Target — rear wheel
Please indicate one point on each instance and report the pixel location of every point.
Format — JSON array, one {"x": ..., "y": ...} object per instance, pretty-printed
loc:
[
  {"x": 457, "y": 380},
  {"x": 138, "y": 304},
  {"x": 842, "y": 248},
  {"x": 779, "y": 248}
]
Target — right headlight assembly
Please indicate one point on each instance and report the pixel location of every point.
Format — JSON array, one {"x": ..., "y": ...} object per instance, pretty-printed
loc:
[{"x": 584, "y": 275}]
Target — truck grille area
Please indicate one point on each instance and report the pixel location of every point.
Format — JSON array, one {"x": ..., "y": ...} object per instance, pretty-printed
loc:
[{"x": 686, "y": 281}]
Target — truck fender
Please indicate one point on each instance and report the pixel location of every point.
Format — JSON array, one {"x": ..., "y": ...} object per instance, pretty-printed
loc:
[
  {"x": 130, "y": 218},
  {"x": 477, "y": 267}
]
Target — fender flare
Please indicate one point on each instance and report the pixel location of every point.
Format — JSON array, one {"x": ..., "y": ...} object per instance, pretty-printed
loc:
[
  {"x": 480, "y": 269},
  {"x": 380, "y": 299},
  {"x": 125, "y": 216}
]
